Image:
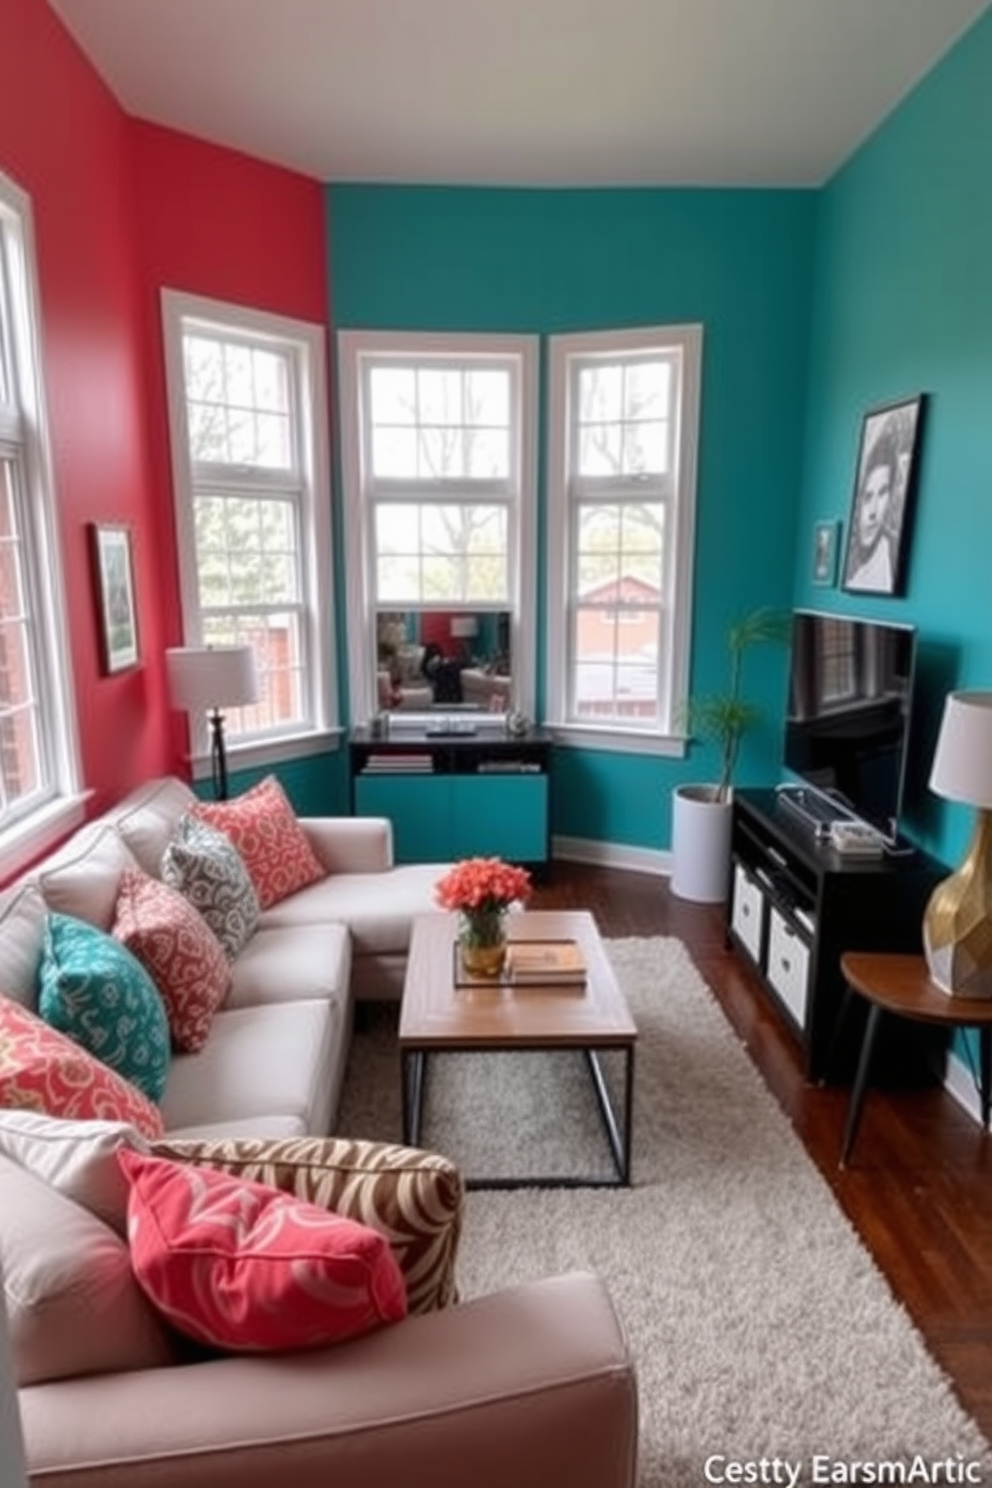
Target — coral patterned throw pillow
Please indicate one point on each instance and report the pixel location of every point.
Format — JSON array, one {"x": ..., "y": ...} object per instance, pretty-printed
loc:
[
  {"x": 178, "y": 949},
  {"x": 44, "y": 1070},
  {"x": 264, "y": 829},
  {"x": 240, "y": 1266}
]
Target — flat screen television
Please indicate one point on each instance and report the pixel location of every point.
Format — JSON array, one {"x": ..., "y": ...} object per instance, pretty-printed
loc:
[{"x": 848, "y": 717}]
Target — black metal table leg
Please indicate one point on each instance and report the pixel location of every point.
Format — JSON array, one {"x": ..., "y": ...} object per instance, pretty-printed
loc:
[
  {"x": 619, "y": 1141},
  {"x": 413, "y": 1095},
  {"x": 860, "y": 1083},
  {"x": 985, "y": 1071}
]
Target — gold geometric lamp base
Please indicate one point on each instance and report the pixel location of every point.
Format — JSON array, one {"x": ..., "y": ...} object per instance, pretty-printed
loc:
[{"x": 957, "y": 924}]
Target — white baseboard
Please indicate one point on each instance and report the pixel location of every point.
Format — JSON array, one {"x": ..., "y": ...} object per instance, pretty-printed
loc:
[
  {"x": 960, "y": 1083},
  {"x": 612, "y": 855}
]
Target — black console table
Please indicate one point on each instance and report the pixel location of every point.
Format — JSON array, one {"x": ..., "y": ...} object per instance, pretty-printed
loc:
[{"x": 796, "y": 905}]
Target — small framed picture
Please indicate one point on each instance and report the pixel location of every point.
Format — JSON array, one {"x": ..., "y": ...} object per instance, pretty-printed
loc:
[
  {"x": 825, "y": 545},
  {"x": 881, "y": 505},
  {"x": 113, "y": 573}
]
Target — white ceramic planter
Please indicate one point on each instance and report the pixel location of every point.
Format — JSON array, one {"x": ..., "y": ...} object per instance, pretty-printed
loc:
[{"x": 700, "y": 844}]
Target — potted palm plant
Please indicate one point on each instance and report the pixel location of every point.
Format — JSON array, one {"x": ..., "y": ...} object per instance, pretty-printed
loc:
[{"x": 701, "y": 813}]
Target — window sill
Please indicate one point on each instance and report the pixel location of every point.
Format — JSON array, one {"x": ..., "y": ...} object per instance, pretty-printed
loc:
[
  {"x": 617, "y": 741},
  {"x": 24, "y": 843},
  {"x": 261, "y": 754}
]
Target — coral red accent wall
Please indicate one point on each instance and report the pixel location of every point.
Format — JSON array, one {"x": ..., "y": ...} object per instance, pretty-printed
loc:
[
  {"x": 217, "y": 223},
  {"x": 122, "y": 209},
  {"x": 66, "y": 142}
]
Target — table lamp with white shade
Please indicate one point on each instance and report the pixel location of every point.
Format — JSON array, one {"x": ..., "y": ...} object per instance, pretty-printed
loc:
[
  {"x": 206, "y": 679},
  {"x": 957, "y": 924}
]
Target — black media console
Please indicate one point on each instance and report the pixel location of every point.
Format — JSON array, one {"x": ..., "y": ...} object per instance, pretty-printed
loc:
[{"x": 796, "y": 905}]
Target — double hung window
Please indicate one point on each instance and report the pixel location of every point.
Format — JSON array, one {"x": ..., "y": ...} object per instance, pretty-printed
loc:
[
  {"x": 437, "y": 452},
  {"x": 248, "y": 411},
  {"x": 622, "y": 439},
  {"x": 39, "y": 771}
]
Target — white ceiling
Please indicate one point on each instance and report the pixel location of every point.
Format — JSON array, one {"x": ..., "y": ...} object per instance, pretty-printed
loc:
[{"x": 523, "y": 92}]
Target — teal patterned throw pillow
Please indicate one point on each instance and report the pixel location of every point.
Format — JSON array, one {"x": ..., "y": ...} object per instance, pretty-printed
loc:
[{"x": 94, "y": 990}]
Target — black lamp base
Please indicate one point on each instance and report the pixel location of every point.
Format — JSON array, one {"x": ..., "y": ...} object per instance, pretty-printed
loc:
[{"x": 218, "y": 754}]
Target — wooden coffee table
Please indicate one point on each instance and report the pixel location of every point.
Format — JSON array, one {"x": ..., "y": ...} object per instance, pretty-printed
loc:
[{"x": 438, "y": 1017}]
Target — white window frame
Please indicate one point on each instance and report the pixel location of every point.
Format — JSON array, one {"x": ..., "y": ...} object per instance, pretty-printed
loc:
[
  {"x": 567, "y": 353},
  {"x": 59, "y": 805},
  {"x": 305, "y": 342},
  {"x": 358, "y": 351}
]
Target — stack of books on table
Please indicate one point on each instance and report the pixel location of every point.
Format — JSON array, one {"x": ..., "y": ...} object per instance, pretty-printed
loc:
[{"x": 545, "y": 963}]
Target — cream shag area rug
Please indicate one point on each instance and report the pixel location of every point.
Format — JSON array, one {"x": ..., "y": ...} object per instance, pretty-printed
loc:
[{"x": 762, "y": 1330}]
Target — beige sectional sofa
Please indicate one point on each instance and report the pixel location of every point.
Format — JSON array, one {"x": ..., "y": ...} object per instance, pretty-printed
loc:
[
  {"x": 530, "y": 1386},
  {"x": 274, "y": 1062}
]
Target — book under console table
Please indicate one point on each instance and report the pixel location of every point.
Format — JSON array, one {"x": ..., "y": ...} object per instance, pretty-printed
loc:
[
  {"x": 796, "y": 905},
  {"x": 480, "y": 794}
]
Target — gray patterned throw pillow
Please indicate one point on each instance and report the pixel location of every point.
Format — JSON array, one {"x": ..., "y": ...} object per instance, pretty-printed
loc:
[{"x": 208, "y": 870}]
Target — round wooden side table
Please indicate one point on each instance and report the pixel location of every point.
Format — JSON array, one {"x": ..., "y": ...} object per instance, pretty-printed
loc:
[{"x": 900, "y": 985}]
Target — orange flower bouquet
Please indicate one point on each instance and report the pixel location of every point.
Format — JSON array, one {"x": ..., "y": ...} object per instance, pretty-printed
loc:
[{"x": 480, "y": 891}]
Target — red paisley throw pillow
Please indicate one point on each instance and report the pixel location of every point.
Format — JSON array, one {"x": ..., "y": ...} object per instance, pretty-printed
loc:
[
  {"x": 44, "y": 1070},
  {"x": 240, "y": 1266},
  {"x": 178, "y": 949},
  {"x": 272, "y": 844}
]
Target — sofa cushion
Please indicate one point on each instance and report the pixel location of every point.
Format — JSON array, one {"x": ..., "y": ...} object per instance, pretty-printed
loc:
[
  {"x": 414, "y": 1198},
  {"x": 22, "y": 938},
  {"x": 81, "y": 879},
  {"x": 203, "y": 864},
  {"x": 146, "y": 819},
  {"x": 241, "y": 1266},
  {"x": 94, "y": 990},
  {"x": 43, "y": 1070},
  {"x": 310, "y": 962},
  {"x": 76, "y": 1158},
  {"x": 73, "y": 1304},
  {"x": 377, "y": 908},
  {"x": 264, "y": 829},
  {"x": 259, "y": 1062},
  {"x": 179, "y": 951}
]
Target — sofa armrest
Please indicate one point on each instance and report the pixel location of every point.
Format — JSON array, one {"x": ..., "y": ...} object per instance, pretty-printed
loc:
[
  {"x": 351, "y": 844},
  {"x": 529, "y": 1386}
]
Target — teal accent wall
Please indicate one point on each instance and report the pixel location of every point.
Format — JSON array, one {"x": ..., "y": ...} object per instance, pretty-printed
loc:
[
  {"x": 902, "y": 303},
  {"x": 547, "y": 261},
  {"x": 317, "y": 785}
]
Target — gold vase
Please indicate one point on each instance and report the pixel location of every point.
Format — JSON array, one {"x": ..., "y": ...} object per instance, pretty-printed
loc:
[
  {"x": 483, "y": 944},
  {"x": 957, "y": 924}
]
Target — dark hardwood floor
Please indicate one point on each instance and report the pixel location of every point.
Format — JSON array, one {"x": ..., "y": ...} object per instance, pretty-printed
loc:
[{"x": 919, "y": 1185}]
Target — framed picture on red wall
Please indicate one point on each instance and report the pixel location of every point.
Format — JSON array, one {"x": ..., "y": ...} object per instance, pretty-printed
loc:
[{"x": 113, "y": 573}]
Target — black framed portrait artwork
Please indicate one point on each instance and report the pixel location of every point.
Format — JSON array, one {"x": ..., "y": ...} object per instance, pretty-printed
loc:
[{"x": 878, "y": 529}]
